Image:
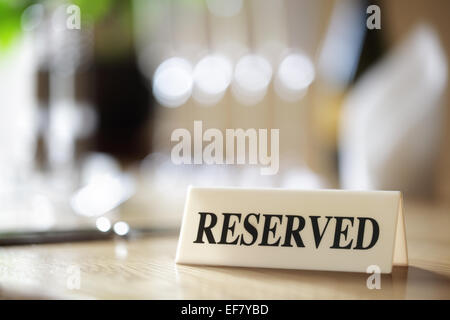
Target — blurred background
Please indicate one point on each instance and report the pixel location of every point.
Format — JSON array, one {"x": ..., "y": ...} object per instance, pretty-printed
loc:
[{"x": 90, "y": 92}]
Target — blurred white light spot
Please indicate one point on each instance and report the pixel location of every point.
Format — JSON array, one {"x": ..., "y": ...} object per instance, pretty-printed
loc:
[
  {"x": 295, "y": 74},
  {"x": 32, "y": 17},
  {"x": 64, "y": 121},
  {"x": 212, "y": 76},
  {"x": 121, "y": 228},
  {"x": 103, "y": 224},
  {"x": 103, "y": 194},
  {"x": 252, "y": 75},
  {"x": 97, "y": 164},
  {"x": 100, "y": 196},
  {"x": 172, "y": 82},
  {"x": 121, "y": 250},
  {"x": 224, "y": 8}
]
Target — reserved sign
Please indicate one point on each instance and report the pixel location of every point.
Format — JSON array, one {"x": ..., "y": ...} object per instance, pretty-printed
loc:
[{"x": 332, "y": 230}]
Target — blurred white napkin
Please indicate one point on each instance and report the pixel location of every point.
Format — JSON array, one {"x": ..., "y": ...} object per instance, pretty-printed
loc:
[{"x": 393, "y": 118}]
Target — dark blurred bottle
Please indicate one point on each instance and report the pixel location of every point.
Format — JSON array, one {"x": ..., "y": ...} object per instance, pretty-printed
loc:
[{"x": 120, "y": 93}]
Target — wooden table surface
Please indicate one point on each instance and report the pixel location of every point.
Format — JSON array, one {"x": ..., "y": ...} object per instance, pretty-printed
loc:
[{"x": 144, "y": 269}]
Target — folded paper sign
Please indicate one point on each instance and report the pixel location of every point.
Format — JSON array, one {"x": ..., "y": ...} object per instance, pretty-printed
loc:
[{"x": 332, "y": 230}]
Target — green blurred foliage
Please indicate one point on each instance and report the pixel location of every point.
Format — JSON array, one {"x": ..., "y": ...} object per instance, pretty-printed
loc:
[
  {"x": 91, "y": 11},
  {"x": 11, "y": 13}
]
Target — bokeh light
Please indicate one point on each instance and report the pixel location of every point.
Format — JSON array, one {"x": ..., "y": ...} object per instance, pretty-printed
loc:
[
  {"x": 172, "y": 82},
  {"x": 252, "y": 76},
  {"x": 295, "y": 74},
  {"x": 212, "y": 76}
]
